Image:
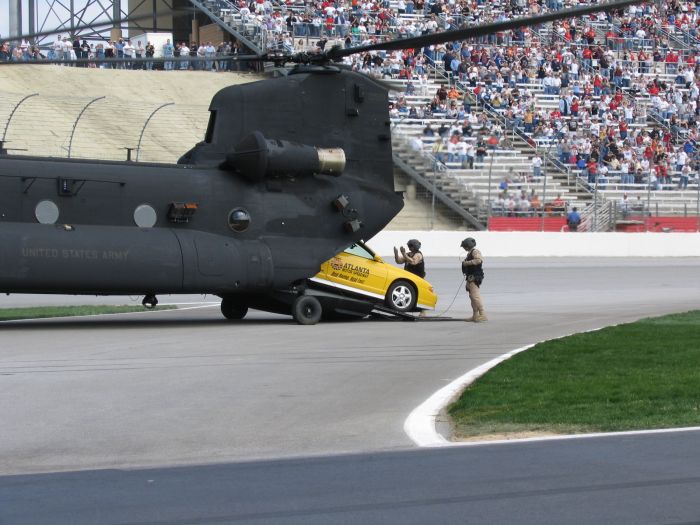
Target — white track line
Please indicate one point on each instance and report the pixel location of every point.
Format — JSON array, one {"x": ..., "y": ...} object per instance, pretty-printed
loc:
[
  {"x": 192, "y": 303},
  {"x": 421, "y": 424},
  {"x": 207, "y": 305}
]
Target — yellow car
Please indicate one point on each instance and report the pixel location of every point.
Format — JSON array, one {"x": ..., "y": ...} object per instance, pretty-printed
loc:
[{"x": 361, "y": 273}]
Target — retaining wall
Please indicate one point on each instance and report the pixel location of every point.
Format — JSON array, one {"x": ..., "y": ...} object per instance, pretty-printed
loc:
[{"x": 545, "y": 244}]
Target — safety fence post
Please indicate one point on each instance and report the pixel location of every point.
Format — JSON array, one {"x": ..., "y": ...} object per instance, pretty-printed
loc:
[
  {"x": 75, "y": 124},
  {"x": 143, "y": 129},
  {"x": 12, "y": 113}
]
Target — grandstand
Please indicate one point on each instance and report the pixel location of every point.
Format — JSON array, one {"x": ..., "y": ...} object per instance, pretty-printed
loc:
[{"x": 609, "y": 104}]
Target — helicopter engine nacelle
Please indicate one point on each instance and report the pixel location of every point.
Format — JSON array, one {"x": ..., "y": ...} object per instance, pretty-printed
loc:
[{"x": 256, "y": 158}]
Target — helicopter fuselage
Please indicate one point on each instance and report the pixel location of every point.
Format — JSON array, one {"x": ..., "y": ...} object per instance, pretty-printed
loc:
[
  {"x": 290, "y": 172},
  {"x": 97, "y": 236}
]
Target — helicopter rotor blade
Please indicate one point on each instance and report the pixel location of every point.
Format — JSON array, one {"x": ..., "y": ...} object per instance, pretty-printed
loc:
[{"x": 338, "y": 53}]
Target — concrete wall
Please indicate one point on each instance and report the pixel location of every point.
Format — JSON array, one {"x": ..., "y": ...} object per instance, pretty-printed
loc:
[
  {"x": 545, "y": 244},
  {"x": 138, "y": 8},
  {"x": 211, "y": 33}
]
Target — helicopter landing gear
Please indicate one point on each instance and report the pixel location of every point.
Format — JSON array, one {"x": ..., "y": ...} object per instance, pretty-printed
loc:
[
  {"x": 149, "y": 301},
  {"x": 306, "y": 309},
  {"x": 233, "y": 309}
]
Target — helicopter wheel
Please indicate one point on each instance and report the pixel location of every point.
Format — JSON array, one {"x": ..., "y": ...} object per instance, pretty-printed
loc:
[
  {"x": 306, "y": 310},
  {"x": 233, "y": 309}
]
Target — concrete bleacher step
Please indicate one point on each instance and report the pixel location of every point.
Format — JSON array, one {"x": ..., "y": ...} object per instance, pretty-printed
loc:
[{"x": 563, "y": 181}]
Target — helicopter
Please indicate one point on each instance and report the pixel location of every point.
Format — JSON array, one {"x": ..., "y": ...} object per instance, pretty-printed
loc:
[{"x": 291, "y": 171}]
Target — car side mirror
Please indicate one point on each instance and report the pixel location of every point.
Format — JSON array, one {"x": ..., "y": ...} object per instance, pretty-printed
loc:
[{"x": 378, "y": 259}]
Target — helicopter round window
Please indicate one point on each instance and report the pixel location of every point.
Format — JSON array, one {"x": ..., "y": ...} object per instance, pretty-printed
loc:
[
  {"x": 145, "y": 216},
  {"x": 239, "y": 220},
  {"x": 46, "y": 212}
]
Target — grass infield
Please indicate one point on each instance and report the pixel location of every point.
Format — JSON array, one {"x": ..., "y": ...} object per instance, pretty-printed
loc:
[
  {"x": 42, "y": 312},
  {"x": 634, "y": 376}
]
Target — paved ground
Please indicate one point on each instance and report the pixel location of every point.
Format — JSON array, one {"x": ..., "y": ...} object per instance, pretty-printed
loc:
[
  {"x": 185, "y": 387},
  {"x": 106, "y": 397}
]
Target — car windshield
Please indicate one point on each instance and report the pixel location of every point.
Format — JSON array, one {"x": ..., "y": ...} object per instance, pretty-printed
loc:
[{"x": 360, "y": 251}]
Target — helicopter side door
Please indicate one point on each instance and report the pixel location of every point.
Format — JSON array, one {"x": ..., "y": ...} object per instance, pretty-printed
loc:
[{"x": 219, "y": 264}]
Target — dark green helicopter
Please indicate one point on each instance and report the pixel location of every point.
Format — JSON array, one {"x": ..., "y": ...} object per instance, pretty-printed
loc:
[{"x": 291, "y": 171}]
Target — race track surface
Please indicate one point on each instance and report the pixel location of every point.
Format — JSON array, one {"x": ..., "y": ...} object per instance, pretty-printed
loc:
[
  {"x": 188, "y": 388},
  {"x": 635, "y": 480}
]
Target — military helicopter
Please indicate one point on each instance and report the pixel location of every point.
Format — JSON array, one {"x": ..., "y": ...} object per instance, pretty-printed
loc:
[{"x": 291, "y": 171}]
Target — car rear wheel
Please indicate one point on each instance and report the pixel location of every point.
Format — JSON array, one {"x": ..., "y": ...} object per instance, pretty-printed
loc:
[
  {"x": 233, "y": 309},
  {"x": 401, "y": 296},
  {"x": 306, "y": 310}
]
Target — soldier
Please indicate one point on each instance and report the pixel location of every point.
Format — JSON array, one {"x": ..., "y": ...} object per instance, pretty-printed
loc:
[
  {"x": 472, "y": 269},
  {"x": 413, "y": 260}
]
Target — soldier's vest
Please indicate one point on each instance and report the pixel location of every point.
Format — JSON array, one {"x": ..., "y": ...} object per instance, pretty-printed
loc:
[
  {"x": 476, "y": 273},
  {"x": 416, "y": 269}
]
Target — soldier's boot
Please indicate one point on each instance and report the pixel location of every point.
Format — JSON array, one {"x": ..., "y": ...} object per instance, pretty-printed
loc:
[
  {"x": 474, "y": 318},
  {"x": 480, "y": 314},
  {"x": 475, "y": 312}
]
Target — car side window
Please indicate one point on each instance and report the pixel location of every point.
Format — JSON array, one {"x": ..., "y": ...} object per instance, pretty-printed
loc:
[{"x": 358, "y": 250}]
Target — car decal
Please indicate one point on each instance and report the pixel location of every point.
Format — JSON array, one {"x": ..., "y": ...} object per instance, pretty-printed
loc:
[
  {"x": 337, "y": 263},
  {"x": 360, "y": 292},
  {"x": 345, "y": 287}
]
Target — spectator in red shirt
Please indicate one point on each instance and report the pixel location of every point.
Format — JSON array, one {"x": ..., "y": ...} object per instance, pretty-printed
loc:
[
  {"x": 623, "y": 129},
  {"x": 671, "y": 62},
  {"x": 592, "y": 169}
]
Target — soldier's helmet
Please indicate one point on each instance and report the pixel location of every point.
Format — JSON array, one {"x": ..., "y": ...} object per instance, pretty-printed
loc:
[
  {"x": 413, "y": 245},
  {"x": 468, "y": 243}
]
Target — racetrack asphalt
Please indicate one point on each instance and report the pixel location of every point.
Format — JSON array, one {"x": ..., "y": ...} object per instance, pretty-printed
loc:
[
  {"x": 187, "y": 388},
  {"x": 635, "y": 480}
]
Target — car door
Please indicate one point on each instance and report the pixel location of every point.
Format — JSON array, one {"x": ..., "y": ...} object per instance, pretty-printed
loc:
[{"x": 356, "y": 268}]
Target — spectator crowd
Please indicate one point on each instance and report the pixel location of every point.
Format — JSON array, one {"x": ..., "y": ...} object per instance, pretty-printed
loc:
[{"x": 611, "y": 96}]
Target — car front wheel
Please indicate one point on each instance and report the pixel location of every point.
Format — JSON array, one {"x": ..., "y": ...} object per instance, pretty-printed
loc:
[{"x": 401, "y": 296}]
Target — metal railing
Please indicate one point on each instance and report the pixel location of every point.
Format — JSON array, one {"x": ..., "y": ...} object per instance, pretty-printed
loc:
[
  {"x": 428, "y": 177},
  {"x": 598, "y": 216},
  {"x": 430, "y": 183},
  {"x": 216, "y": 9}
]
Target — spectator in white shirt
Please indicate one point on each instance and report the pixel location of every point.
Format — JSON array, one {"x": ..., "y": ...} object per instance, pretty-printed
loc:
[{"x": 537, "y": 166}]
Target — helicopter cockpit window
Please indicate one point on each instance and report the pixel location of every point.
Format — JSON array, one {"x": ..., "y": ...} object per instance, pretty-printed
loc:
[
  {"x": 210, "y": 127},
  {"x": 360, "y": 251},
  {"x": 239, "y": 220},
  {"x": 46, "y": 212}
]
